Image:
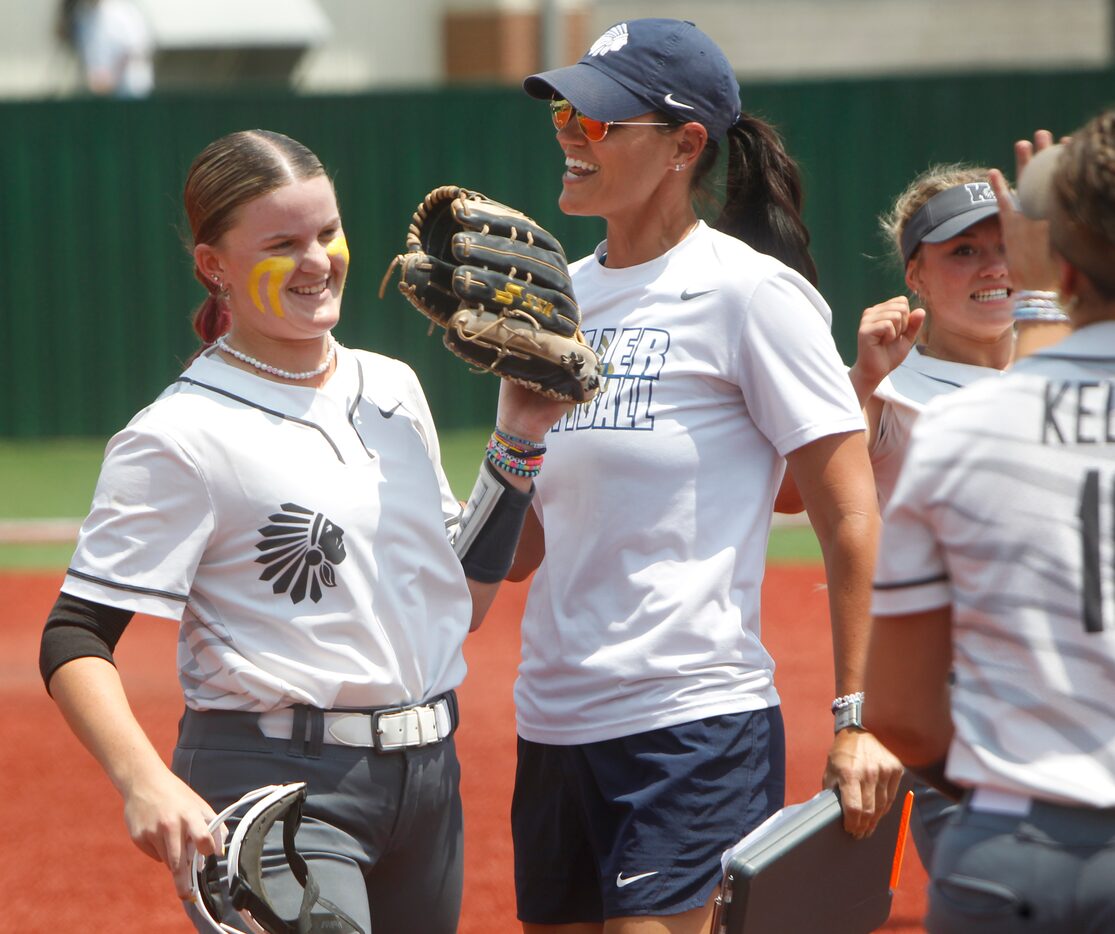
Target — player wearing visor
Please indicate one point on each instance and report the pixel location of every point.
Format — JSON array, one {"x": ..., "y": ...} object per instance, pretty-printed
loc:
[{"x": 996, "y": 565}]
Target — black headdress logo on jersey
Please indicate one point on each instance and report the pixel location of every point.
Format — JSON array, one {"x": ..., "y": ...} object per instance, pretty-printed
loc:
[{"x": 300, "y": 548}]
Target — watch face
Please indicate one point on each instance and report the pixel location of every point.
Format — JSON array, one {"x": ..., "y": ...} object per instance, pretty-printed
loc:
[{"x": 849, "y": 716}]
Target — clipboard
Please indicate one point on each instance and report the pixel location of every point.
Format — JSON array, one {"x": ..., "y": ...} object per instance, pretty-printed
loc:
[{"x": 800, "y": 872}]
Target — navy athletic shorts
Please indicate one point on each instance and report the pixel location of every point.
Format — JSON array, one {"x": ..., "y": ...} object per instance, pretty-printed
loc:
[{"x": 636, "y": 825}]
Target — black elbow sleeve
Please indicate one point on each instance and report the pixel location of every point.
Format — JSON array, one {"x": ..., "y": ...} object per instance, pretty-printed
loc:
[
  {"x": 490, "y": 526},
  {"x": 78, "y": 628}
]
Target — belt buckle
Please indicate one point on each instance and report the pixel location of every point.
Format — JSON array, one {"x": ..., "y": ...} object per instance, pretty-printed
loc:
[
  {"x": 377, "y": 733},
  {"x": 429, "y": 708}
]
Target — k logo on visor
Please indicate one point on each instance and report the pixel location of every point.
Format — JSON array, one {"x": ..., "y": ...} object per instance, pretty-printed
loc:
[
  {"x": 300, "y": 549},
  {"x": 980, "y": 192}
]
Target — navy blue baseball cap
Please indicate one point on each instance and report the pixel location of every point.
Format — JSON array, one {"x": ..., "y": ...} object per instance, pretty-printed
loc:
[
  {"x": 664, "y": 65},
  {"x": 947, "y": 214}
]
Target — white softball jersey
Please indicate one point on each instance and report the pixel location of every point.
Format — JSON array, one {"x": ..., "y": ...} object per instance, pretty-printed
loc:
[
  {"x": 904, "y": 393},
  {"x": 1005, "y": 511},
  {"x": 297, "y": 534},
  {"x": 645, "y": 611}
]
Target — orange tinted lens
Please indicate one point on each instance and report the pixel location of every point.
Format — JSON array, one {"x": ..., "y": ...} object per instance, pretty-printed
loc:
[
  {"x": 560, "y": 112},
  {"x": 594, "y": 130}
]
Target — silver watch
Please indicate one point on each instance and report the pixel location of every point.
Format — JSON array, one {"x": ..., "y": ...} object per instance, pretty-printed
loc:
[{"x": 848, "y": 715}]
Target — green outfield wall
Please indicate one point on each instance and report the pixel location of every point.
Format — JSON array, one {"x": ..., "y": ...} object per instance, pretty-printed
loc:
[{"x": 98, "y": 290}]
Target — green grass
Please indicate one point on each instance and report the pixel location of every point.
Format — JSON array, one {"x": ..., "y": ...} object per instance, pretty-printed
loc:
[
  {"x": 55, "y": 479},
  {"x": 35, "y": 557},
  {"x": 461, "y": 452},
  {"x": 48, "y": 479},
  {"x": 793, "y": 544}
]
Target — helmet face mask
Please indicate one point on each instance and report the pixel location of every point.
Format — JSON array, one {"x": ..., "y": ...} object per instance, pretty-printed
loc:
[{"x": 243, "y": 885}]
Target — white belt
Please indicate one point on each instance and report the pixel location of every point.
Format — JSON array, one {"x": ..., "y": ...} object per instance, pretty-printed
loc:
[
  {"x": 387, "y": 730},
  {"x": 994, "y": 801}
]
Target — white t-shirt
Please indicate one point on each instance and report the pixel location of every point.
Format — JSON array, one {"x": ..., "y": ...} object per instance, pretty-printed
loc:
[
  {"x": 905, "y": 393},
  {"x": 1004, "y": 511},
  {"x": 656, "y": 496},
  {"x": 298, "y": 534}
]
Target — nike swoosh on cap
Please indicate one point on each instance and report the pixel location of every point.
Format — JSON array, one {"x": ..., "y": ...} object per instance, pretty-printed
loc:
[
  {"x": 669, "y": 98},
  {"x": 621, "y": 881},
  {"x": 686, "y": 295}
]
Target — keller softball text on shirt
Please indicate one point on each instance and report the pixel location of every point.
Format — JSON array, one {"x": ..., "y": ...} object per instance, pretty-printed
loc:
[{"x": 645, "y": 611}]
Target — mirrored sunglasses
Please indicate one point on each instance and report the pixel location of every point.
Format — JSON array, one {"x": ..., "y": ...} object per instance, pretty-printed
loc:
[{"x": 594, "y": 130}]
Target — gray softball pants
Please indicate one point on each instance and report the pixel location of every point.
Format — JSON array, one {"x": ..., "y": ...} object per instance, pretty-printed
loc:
[
  {"x": 1051, "y": 871},
  {"x": 382, "y": 832}
]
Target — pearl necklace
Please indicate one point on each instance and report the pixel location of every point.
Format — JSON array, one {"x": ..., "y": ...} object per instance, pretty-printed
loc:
[{"x": 222, "y": 343}]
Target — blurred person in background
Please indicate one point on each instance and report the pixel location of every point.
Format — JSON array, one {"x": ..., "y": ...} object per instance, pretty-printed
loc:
[
  {"x": 113, "y": 43},
  {"x": 980, "y": 272},
  {"x": 950, "y": 230}
]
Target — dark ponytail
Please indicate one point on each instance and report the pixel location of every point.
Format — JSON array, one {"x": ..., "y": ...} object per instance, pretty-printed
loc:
[{"x": 763, "y": 199}]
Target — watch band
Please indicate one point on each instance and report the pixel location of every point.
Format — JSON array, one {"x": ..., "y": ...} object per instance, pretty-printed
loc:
[{"x": 850, "y": 715}]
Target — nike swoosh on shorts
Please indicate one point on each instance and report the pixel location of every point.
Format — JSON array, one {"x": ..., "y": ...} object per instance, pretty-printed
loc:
[{"x": 621, "y": 881}]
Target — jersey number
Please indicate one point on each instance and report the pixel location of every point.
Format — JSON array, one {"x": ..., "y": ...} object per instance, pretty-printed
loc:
[{"x": 1089, "y": 514}]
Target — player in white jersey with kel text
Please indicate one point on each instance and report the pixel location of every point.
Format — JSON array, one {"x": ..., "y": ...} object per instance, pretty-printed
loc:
[{"x": 998, "y": 561}]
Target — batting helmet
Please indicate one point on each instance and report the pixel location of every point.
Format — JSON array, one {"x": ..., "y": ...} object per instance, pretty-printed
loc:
[{"x": 244, "y": 872}]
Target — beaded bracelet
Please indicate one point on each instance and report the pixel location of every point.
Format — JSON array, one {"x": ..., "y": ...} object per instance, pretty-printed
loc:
[
  {"x": 499, "y": 444},
  {"x": 1052, "y": 317},
  {"x": 518, "y": 444},
  {"x": 494, "y": 454},
  {"x": 519, "y": 468},
  {"x": 510, "y": 458},
  {"x": 1034, "y": 305},
  {"x": 1027, "y": 295},
  {"x": 847, "y": 700}
]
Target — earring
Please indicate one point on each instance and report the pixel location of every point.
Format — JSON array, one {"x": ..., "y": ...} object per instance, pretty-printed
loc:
[
  {"x": 678, "y": 166},
  {"x": 221, "y": 293}
]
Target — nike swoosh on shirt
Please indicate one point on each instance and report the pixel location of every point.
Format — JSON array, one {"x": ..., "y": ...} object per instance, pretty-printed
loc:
[
  {"x": 686, "y": 295},
  {"x": 621, "y": 881},
  {"x": 387, "y": 413}
]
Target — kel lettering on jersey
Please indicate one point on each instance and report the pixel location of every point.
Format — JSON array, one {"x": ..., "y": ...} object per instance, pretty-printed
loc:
[
  {"x": 633, "y": 362},
  {"x": 1078, "y": 413},
  {"x": 300, "y": 548}
]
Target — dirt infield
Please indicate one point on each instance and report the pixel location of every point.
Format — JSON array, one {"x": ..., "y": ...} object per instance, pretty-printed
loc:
[{"x": 69, "y": 867}]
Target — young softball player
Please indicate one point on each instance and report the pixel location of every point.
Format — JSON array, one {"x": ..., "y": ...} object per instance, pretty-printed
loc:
[
  {"x": 995, "y": 566},
  {"x": 283, "y": 501},
  {"x": 946, "y": 230},
  {"x": 950, "y": 231},
  {"x": 650, "y": 732}
]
